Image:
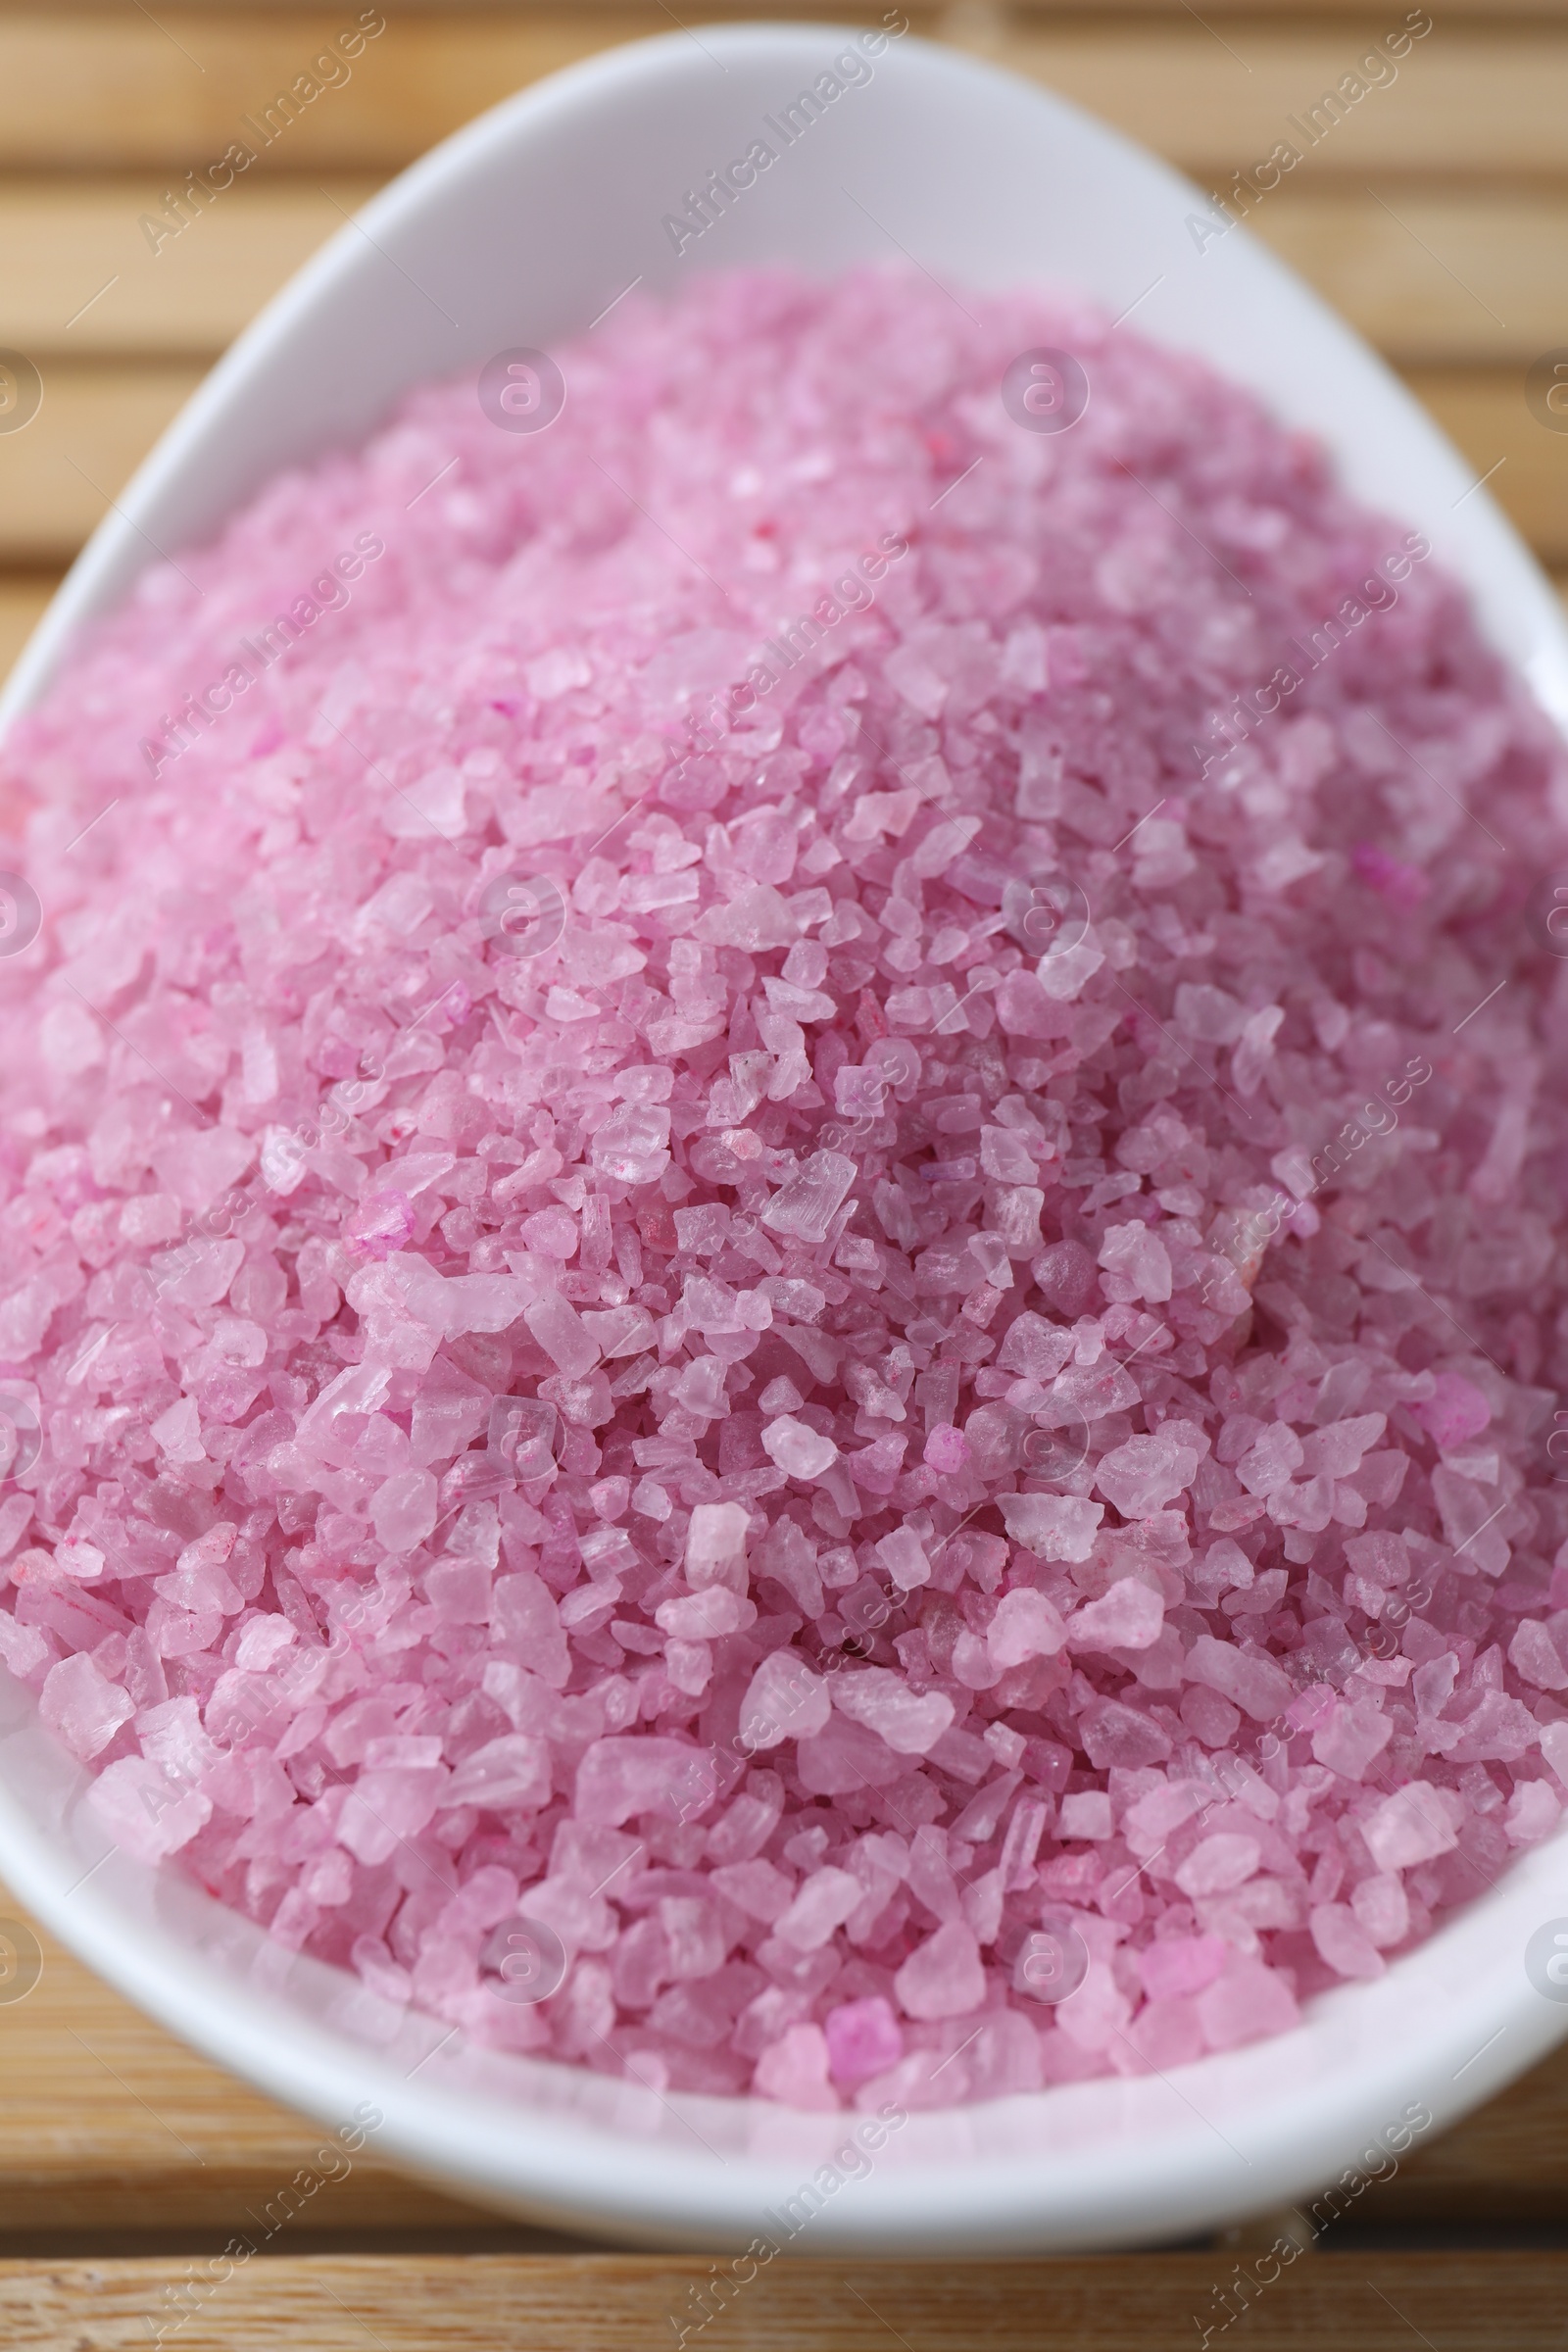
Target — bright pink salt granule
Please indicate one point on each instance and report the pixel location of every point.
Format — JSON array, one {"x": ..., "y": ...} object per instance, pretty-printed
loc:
[{"x": 717, "y": 1236}]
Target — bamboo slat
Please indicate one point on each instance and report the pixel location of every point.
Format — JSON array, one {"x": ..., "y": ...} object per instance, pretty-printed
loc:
[
  {"x": 631, "y": 2303},
  {"x": 60, "y": 473},
  {"x": 114, "y": 92},
  {"x": 1469, "y": 100},
  {"x": 117, "y": 90},
  {"x": 79, "y": 279},
  {"x": 1433, "y": 277}
]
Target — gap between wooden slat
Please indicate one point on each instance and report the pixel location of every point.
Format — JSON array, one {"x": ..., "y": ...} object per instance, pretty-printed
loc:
[{"x": 1333, "y": 236}]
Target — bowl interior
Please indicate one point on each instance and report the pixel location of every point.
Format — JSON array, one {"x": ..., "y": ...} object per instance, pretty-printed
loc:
[{"x": 520, "y": 231}]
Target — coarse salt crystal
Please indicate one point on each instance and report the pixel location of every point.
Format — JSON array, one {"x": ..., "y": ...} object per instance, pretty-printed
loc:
[
  {"x": 943, "y": 1977},
  {"x": 1127, "y": 1617},
  {"x": 1217, "y": 1864},
  {"x": 864, "y": 2038},
  {"x": 1413, "y": 1825},
  {"x": 785, "y": 1700},
  {"x": 799, "y": 1451}
]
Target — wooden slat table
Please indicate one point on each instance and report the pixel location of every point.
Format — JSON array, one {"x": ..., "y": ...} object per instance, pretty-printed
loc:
[{"x": 1436, "y": 217}]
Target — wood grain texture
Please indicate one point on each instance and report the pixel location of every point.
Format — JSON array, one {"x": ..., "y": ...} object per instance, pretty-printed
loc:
[
  {"x": 632, "y": 2303},
  {"x": 1505, "y": 2164}
]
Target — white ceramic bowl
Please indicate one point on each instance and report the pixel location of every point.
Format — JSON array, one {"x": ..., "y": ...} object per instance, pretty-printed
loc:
[{"x": 517, "y": 232}]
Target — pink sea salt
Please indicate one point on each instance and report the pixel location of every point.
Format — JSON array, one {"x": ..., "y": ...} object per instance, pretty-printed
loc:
[
  {"x": 1181, "y": 1964},
  {"x": 382, "y": 1223},
  {"x": 947, "y": 1450},
  {"x": 1218, "y": 1864},
  {"x": 864, "y": 2038},
  {"x": 1455, "y": 1410},
  {"x": 1246, "y": 2001},
  {"x": 1415, "y": 1824},
  {"x": 744, "y": 1229},
  {"x": 1129, "y": 1616},
  {"x": 82, "y": 1706},
  {"x": 1344, "y": 1942},
  {"x": 943, "y": 1977},
  {"x": 794, "y": 2068}
]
